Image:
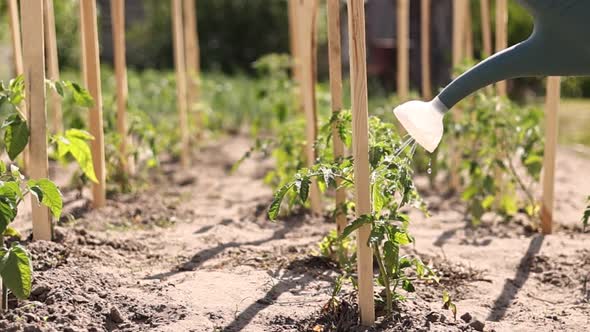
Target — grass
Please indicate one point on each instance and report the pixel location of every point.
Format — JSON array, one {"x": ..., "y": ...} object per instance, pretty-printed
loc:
[{"x": 574, "y": 122}]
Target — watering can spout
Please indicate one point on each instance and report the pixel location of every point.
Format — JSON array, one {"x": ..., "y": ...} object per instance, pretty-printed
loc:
[
  {"x": 557, "y": 47},
  {"x": 424, "y": 120}
]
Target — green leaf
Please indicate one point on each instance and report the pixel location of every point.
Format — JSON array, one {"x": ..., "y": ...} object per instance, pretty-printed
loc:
[
  {"x": 488, "y": 202},
  {"x": 509, "y": 204},
  {"x": 303, "y": 186},
  {"x": 79, "y": 133},
  {"x": 11, "y": 232},
  {"x": 446, "y": 297},
  {"x": 37, "y": 192},
  {"x": 378, "y": 198},
  {"x": 81, "y": 96},
  {"x": 8, "y": 210},
  {"x": 16, "y": 271},
  {"x": 10, "y": 189},
  {"x": 75, "y": 143},
  {"x": 48, "y": 194},
  {"x": 59, "y": 88},
  {"x": 275, "y": 206},
  {"x": 391, "y": 257},
  {"x": 402, "y": 238},
  {"x": 356, "y": 224},
  {"x": 16, "y": 136},
  {"x": 408, "y": 286}
]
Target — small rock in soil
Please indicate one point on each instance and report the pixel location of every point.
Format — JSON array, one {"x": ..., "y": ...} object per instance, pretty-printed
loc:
[
  {"x": 466, "y": 317},
  {"x": 477, "y": 325},
  {"x": 40, "y": 289},
  {"x": 31, "y": 328},
  {"x": 116, "y": 315},
  {"x": 433, "y": 317}
]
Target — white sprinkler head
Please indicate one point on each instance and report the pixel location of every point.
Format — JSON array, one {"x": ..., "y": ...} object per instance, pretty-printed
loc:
[{"x": 423, "y": 121}]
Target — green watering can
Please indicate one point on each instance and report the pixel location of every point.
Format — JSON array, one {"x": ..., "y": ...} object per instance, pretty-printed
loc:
[{"x": 558, "y": 46}]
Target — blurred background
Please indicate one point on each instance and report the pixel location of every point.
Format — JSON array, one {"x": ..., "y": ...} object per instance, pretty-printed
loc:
[{"x": 235, "y": 33}]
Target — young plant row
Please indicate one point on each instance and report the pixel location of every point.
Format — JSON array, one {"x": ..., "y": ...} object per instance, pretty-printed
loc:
[
  {"x": 501, "y": 154},
  {"x": 15, "y": 261}
]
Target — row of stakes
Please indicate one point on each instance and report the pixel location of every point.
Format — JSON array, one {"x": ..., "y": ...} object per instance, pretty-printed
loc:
[{"x": 37, "y": 44}]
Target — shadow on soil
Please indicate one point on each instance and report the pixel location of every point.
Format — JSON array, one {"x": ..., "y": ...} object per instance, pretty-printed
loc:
[
  {"x": 299, "y": 277},
  {"x": 204, "y": 255},
  {"x": 513, "y": 286}
]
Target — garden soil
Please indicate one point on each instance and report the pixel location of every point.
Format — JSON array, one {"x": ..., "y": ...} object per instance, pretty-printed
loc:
[{"x": 195, "y": 252}]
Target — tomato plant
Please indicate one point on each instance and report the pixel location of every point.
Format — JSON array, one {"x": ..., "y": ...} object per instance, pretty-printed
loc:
[
  {"x": 500, "y": 146},
  {"x": 392, "y": 192},
  {"x": 15, "y": 261}
]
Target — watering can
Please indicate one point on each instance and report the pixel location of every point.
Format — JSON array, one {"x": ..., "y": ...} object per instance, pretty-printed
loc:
[{"x": 558, "y": 46}]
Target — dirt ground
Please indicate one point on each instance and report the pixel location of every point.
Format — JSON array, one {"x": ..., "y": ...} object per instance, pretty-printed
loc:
[{"x": 195, "y": 252}]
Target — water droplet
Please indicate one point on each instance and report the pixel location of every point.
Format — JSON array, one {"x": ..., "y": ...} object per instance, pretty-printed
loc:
[{"x": 429, "y": 166}]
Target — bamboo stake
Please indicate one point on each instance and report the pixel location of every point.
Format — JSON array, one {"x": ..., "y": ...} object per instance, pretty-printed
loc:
[
  {"x": 191, "y": 44},
  {"x": 91, "y": 70},
  {"x": 52, "y": 66},
  {"x": 486, "y": 28},
  {"x": 335, "y": 59},
  {"x": 118, "y": 29},
  {"x": 307, "y": 50},
  {"x": 14, "y": 22},
  {"x": 181, "y": 89},
  {"x": 360, "y": 138},
  {"x": 551, "y": 128},
  {"x": 501, "y": 37},
  {"x": 425, "y": 49},
  {"x": 403, "y": 49},
  {"x": 34, "y": 68}
]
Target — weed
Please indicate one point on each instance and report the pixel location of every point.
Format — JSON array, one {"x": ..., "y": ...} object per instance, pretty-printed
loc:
[
  {"x": 586, "y": 216},
  {"x": 448, "y": 303}
]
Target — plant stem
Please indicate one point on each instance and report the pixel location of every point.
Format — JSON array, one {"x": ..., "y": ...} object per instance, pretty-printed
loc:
[
  {"x": 385, "y": 278},
  {"x": 4, "y": 298},
  {"x": 519, "y": 181}
]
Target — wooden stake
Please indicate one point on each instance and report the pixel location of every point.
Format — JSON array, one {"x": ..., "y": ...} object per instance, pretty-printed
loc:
[
  {"x": 335, "y": 59},
  {"x": 360, "y": 144},
  {"x": 181, "y": 92},
  {"x": 468, "y": 31},
  {"x": 458, "y": 32},
  {"x": 307, "y": 50},
  {"x": 551, "y": 125},
  {"x": 17, "y": 54},
  {"x": 486, "y": 28},
  {"x": 425, "y": 49},
  {"x": 17, "y": 51},
  {"x": 52, "y": 66},
  {"x": 91, "y": 70},
  {"x": 118, "y": 29},
  {"x": 294, "y": 39},
  {"x": 34, "y": 68},
  {"x": 459, "y": 7},
  {"x": 191, "y": 44},
  {"x": 403, "y": 49},
  {"x": 501, "y": 37}
]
